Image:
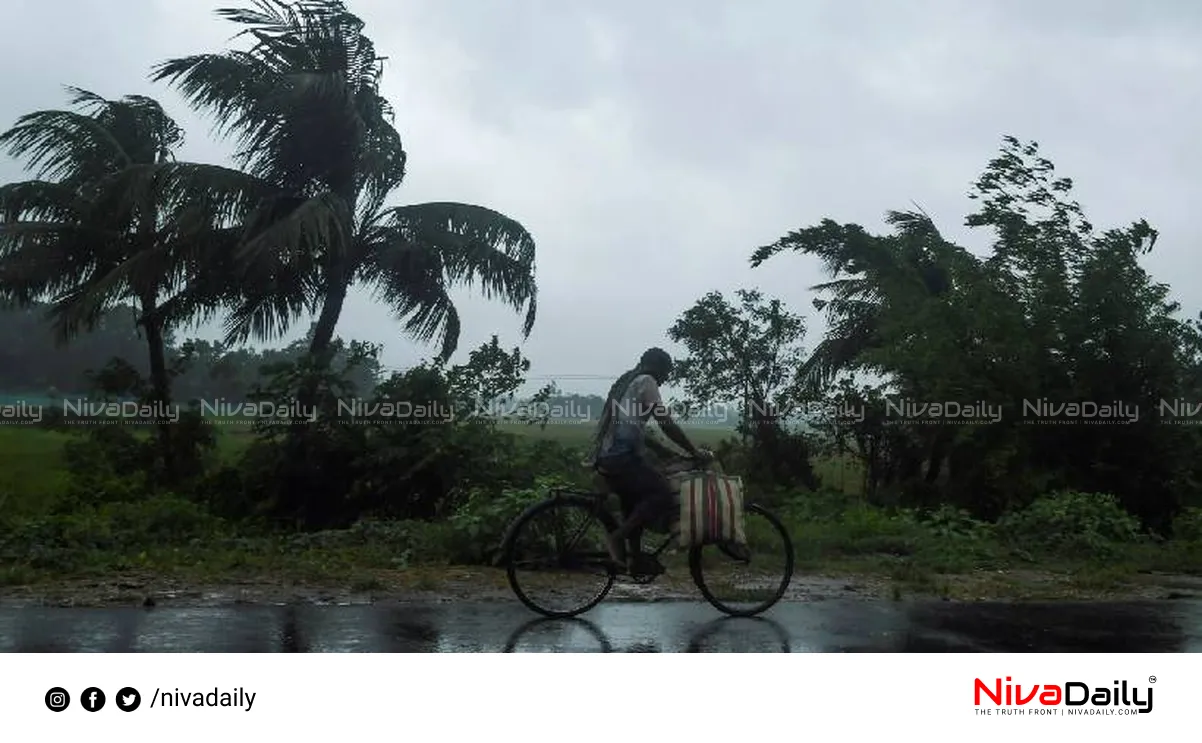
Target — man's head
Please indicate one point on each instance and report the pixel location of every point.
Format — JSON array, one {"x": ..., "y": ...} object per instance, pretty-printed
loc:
[{"x": 657, "y": 363}]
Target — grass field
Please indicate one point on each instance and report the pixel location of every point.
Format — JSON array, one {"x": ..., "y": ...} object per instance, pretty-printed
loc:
[{"x": 31, "y": 469}]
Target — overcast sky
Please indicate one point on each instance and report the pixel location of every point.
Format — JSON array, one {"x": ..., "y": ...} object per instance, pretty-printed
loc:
[{"x": 651, "y": 145}]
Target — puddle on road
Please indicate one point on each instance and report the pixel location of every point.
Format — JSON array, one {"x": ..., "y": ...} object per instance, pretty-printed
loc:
[{"x": 614, "y": 626}]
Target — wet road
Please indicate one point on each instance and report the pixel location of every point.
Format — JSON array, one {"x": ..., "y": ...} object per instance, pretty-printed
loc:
[{"x": 828, "y": 626}]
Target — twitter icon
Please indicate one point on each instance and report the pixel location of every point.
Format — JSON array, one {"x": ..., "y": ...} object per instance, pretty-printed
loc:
[{"x": 128, "y": 699}]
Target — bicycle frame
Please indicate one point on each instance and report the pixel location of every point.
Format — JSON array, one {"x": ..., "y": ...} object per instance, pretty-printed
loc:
[{"x": 600, "y": 501}]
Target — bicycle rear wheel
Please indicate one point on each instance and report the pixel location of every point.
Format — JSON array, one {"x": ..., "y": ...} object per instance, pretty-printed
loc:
[
  {"x": 555, "y": 557},
  {"x": 746, "y": 587}
]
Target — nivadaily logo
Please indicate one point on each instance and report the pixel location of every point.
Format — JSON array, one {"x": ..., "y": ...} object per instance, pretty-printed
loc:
[{"x": 1071, "y": 697}]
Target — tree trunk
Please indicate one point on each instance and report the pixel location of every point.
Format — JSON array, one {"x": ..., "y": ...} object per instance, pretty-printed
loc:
[
  {"x": 323, "y": 337},
  {"x": 339, "y": 270},
  {"x": 327, "y": 320},
  {"x": 160, "y": 382}
]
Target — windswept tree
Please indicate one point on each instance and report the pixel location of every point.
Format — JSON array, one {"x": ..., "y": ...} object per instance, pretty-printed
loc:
[
  {"x": 317, "y": 162},
  {"x": 1097, "y": 328},
  {"x": 908, "y": 307},
  {"x": 1058, "y": 311},
  {"x": 81, "y": 237}
]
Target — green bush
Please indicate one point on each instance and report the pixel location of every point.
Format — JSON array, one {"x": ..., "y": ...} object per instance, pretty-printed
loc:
[
  {"x": 471, "y": 536},
  {"x": 953, "y": 541},
  {"x": 951, "y": 523},
  {"x": 1071, "y": 524},
  {"x": 480, "y": 524},
  {"x": 164, "y": 521},
  {"x": 64, "y": 540}
]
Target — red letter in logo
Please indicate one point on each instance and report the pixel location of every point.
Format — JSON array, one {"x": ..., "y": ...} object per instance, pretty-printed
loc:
[
  {"x": 980, "y": 686},
  {"x": 1019, "y": 694},
  {"x": 1051, "y": 695}
]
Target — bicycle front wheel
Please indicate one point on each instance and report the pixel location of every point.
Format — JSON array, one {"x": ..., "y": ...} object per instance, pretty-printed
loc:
[
  {"x": 747, "y": 584},
  {"x": 556, "y": 559}
]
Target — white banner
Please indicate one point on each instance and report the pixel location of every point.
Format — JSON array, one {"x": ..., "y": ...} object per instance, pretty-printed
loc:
[{"x": 583, "y": 698}]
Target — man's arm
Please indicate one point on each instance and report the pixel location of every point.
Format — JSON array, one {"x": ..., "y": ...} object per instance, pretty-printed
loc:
[
  {"x": 673, "y": 432},
  {"x": 651, "y": 397}
]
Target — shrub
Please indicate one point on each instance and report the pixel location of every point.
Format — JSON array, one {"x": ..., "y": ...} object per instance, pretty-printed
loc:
[
  {"x": 1071, "y": 523},
  {"x": 396, "y": 543},
  {"x": 64, "y": 540},
  {"x": 480, "y": 524},
  {"x": 949, "y": 522},
  {"x": 471, "y": 536}
]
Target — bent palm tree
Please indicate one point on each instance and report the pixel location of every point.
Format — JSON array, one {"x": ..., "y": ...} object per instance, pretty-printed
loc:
[
  {"x": 873, "y": 278},
  {"x": 894, "y": 300},
  {"x": 319, "y": 156},
  {"x": 80, "y": 237}
]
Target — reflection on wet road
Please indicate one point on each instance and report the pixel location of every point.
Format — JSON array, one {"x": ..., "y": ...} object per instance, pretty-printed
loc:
[{"x": 829, "y": 626}]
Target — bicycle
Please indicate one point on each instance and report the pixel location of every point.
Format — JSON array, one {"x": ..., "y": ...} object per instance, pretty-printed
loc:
[{"x": 591, "y": 557}]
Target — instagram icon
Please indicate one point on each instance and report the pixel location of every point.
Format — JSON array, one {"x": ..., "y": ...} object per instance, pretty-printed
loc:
[{"x": 57, "y": 699}]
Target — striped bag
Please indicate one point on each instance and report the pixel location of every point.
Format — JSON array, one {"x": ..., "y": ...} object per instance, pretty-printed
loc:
[{"x": 711, "y": 509}]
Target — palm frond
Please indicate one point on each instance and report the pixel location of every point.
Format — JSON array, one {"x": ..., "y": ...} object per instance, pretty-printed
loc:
[
  {"x": 64, "y": 146},
  {"x": 274, "y": 300},
  {"x": 412, "y": 281},
  {"x": 476, "y": 245},
  {"x": 302, "y": 102},
  {"x": 40, "y": 201}
]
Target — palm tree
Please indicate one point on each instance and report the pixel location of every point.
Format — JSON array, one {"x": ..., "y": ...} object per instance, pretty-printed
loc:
[
  {"x": 886, "y": 294},
  {"x": 318, "y": 159},
  {"x": 81, "y": 237}
]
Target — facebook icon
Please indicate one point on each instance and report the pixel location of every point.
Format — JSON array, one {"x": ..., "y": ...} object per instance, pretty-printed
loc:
[{"x": 92, "y": 699}]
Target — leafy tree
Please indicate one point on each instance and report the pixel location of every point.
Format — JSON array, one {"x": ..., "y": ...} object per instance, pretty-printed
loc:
[
  {"x": 1097, "y": 328},
  {"x": 491, "y": 375},
  {"x": 751, "y": 352},
  {"x": 1057, "y": 311}
]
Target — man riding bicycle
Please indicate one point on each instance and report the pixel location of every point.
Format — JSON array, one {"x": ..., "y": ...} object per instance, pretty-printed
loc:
[{"x": 620, "y": 456}]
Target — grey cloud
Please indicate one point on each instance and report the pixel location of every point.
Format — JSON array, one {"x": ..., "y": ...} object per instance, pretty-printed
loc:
[{"x": 650, "y": 146}]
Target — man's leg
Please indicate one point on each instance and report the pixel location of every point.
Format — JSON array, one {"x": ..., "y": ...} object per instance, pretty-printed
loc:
[
  {"x": 654, "y": 497},
  {"x": 634, "y": 539},
  {"x": 617, "y": 476}
]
